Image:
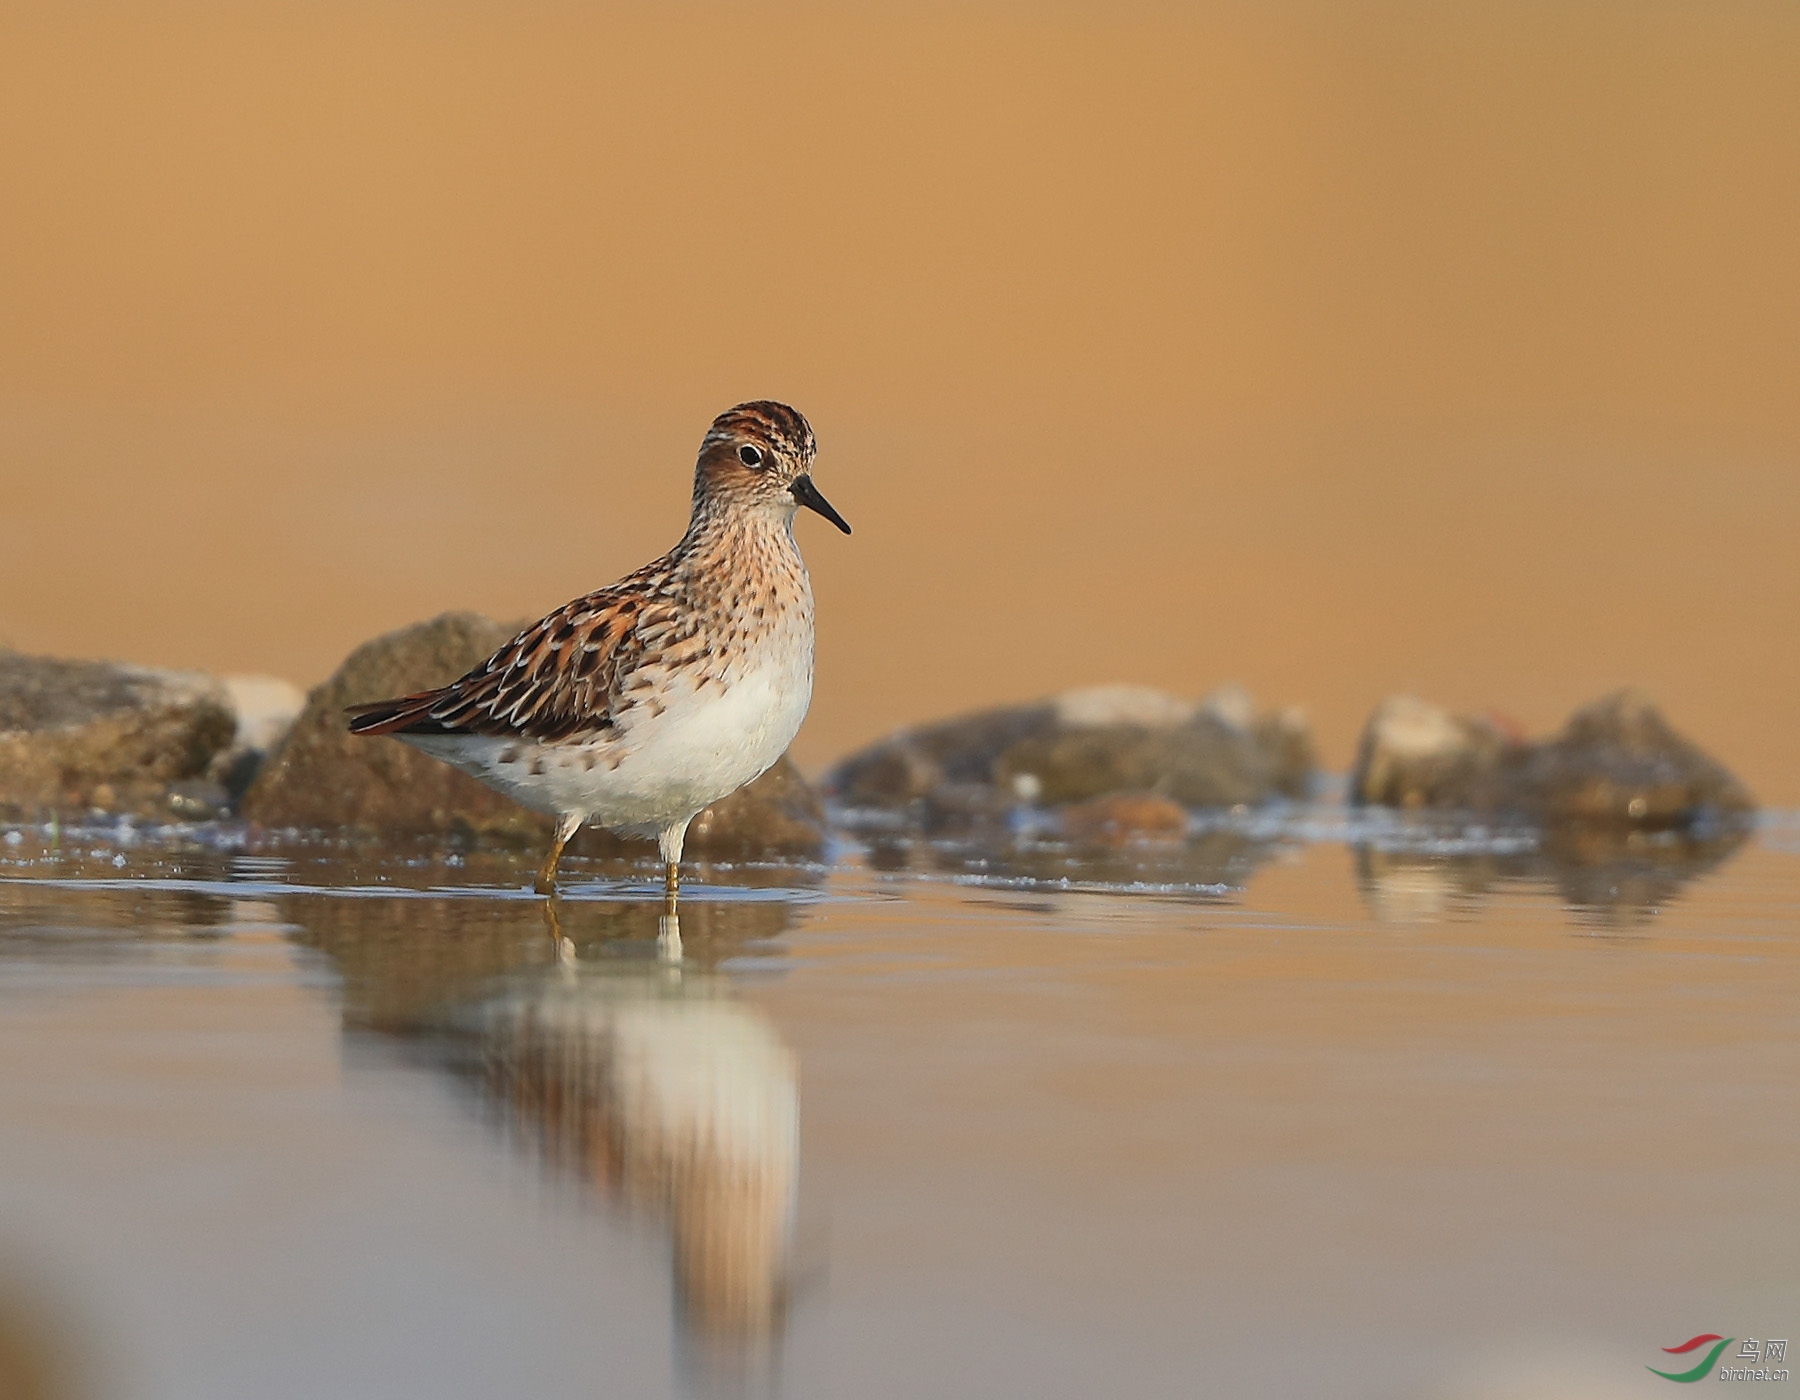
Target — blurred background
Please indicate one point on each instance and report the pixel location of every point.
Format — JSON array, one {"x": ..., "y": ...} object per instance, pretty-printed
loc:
[{"x": 1333, "y": 349}]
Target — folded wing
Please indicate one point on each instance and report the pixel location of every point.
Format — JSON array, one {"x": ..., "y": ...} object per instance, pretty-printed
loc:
[{"x": 562, "y": 678}]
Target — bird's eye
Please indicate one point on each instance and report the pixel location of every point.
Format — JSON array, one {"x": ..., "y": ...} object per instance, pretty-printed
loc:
[{"x": 750, "y": 456}]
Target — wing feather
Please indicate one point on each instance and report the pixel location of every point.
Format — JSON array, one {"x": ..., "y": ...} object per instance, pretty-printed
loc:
[{"x": 567, "y": 676}]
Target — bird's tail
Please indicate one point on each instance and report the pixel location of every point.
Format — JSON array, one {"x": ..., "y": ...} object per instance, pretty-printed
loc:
[{"x": 393, "y": 716}]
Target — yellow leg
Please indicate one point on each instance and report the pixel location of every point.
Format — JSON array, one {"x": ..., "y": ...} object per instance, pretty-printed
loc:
[
  {"x": 546, "y": 876},
  {"x": 668, "y": 845}
]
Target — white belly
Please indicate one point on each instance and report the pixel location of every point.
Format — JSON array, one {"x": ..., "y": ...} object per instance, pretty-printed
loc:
[{"x": 656, "y": 770}]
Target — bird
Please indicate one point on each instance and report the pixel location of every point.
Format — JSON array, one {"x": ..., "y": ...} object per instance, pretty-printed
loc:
[{"x": 641, "y": 704}]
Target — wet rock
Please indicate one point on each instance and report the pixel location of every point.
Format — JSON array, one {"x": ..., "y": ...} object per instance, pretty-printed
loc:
[
  {"x": 917, "y": 762},
  {"x": 1199, "y": 764},
  {"x": 83, "y": 736},
  {"x": 197, "y": 800},
  {"x": 1216, "y": 755},
  {"x": 324, "y": 777},
  {"x": 1285, "y": 738},
  {"x": 966, "y": 810},
  {"x": 1107, "y": 706},
  {"x": 1122, "y": 818},
  {"x": 1081, "y": 745},
  {"x": 1415, "y": 754},
  {"x": 1617, "y": 762}
]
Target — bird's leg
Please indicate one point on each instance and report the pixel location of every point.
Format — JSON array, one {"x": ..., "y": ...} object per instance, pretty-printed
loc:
[
  {"x": 669, "y": 842},
  {"x": 566, "y": 826}
]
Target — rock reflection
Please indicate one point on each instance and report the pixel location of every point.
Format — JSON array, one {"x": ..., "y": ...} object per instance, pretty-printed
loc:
[
  {"x": 43, "y": 914},
  {"x": 1622, "y": 878},
  {"x": 608, "y": 1049},
  {"x": 1605, "y": 876},
  {"x": 1222, "y": 857},
  {"x": 1410, "y": 887}
]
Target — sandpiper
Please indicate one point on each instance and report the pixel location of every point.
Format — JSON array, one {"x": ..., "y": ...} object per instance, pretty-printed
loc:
[{"x": 641, "y": 704}]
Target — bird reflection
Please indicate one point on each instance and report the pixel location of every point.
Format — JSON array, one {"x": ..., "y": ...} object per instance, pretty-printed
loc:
[
  {"x": 673, "y": 1099},
  {"x": 613, "y": 1053}
]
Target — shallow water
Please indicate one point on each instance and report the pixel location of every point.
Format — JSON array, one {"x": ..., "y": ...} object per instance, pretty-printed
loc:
[{"x": 1295, "y": 1108}]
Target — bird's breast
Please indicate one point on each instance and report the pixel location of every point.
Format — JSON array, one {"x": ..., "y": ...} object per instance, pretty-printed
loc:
[{"x": 708, "y": 724}]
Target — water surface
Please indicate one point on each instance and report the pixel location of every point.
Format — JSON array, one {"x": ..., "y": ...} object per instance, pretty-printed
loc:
[{"x": 1290, "y": 1109}]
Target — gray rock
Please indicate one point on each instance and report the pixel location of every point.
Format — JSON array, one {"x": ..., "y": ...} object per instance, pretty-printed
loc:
[
  {"x": 78, "y": 737},
  {"x": 1414, "y": 754},
  {"x": 197, "y": 800},
  {"x": 1202, "y": 763},
  {"x": 1285, "y": 738},
  {"x": 1123, "y": 818},
  {"x": 323, "y": 777},
  {"x": 1106, "y": 706},
  {"x": 1079, "y": 745},
  {"x": 1616, "y": 762},
  {"x": 963, "y": 810},
  {"x": 915, "y": 763}
]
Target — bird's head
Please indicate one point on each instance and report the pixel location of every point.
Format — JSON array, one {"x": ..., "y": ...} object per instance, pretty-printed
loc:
[{"x": 759, "y": 455}]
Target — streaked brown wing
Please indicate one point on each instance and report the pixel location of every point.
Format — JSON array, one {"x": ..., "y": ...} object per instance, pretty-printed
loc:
[{"x": 560, "y": 678}]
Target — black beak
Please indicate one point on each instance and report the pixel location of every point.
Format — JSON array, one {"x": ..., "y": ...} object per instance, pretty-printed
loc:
[{"x": 808, "y": 495}]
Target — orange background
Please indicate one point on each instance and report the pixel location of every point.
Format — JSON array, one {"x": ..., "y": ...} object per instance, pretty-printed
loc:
[{"x": 1333, "y": 349}]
